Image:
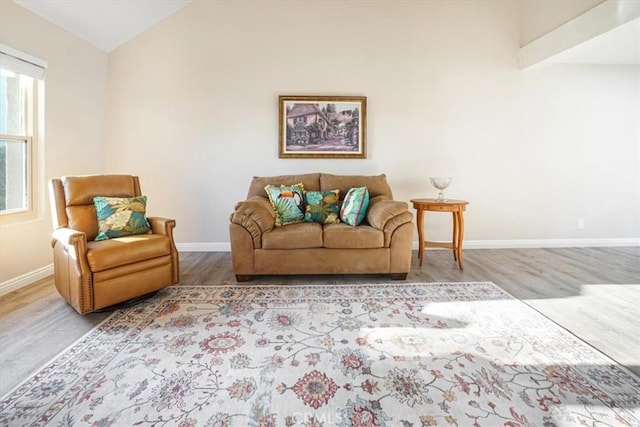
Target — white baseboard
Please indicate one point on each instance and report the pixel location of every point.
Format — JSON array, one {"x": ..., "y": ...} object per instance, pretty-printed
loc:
[
  {"x": 548, "y": 243},
  {"x": 25, "y": 279},
  {"x": 468, "y": 244},
  {"x": 203, "y": 247}
]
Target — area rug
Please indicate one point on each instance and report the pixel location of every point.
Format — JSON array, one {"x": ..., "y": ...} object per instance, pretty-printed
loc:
[{"x": 437, "y": 354}]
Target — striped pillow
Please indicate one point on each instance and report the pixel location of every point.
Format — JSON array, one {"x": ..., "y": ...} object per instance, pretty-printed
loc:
[{"x": 354, "y": 207}]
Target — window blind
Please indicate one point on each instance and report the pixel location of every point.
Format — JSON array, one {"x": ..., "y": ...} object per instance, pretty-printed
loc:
[{"x": 21, "y": 63}]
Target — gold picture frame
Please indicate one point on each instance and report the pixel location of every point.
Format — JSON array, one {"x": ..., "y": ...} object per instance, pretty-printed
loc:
[{"x": 322, "y": 127}]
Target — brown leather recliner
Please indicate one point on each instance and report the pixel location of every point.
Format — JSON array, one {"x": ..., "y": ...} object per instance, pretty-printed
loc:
[{"x": 91, "y": 274}]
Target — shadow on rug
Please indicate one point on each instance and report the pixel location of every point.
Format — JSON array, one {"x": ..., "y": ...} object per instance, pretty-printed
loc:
[{"x": 445, "y": 354}]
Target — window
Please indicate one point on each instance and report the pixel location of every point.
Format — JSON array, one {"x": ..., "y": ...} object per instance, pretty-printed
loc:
[{"x": 20, "y": 83}]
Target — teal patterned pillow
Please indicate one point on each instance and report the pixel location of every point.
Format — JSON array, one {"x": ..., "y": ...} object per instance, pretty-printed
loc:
[
  {"x": 121, "y": 216},
  {"x": 354, "y": 206},
  {"x": 288, "y": 202},
  {"x": 322, "y": 207}
]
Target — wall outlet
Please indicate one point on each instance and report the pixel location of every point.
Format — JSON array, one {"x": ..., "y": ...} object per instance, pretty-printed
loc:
[{"x": 580, "y": 224}]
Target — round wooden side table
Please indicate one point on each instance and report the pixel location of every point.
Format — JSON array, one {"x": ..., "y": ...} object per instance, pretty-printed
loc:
[{"x": 456, "y": 207}]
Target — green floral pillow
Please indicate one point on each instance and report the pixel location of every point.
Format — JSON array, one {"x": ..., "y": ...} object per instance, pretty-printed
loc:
[
  {"x": 121, "y": 216},
  {"x": 354, "y": 207},
  {"x": 322, "y": 207},
  {"x": 288, "y": 203}
]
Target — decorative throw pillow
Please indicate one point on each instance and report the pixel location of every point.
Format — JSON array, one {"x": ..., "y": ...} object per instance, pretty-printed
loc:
[
  {"x": 354, "y": 206},
  {"x": 288, "y": 203},
  {"x": 322, "y": 206},
  {"x": 121, "y": 216}
]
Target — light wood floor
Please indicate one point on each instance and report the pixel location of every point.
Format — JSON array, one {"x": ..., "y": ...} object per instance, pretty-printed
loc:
[{"x": 592, "y": 292}]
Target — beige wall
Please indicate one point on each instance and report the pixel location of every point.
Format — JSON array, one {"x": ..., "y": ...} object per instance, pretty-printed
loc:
[
  {"x": 75, "y": 125},
  {"x": 193, "y": 111}
]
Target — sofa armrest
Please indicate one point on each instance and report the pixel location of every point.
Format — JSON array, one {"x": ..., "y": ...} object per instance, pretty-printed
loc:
[
  {"x": 382, "y": 211},
  {"x": 387, "y": 215},
  {"x": 255, "y": 215}
]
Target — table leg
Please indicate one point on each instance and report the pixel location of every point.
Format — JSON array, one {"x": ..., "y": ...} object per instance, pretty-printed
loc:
[
  {"x": 454, "y": 239},
  {"x": 420, "y": 215},
  {"x": 460, "y": 239}
]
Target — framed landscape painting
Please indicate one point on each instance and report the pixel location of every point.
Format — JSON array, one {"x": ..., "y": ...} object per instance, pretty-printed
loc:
[{"x": 322, "y": 126}]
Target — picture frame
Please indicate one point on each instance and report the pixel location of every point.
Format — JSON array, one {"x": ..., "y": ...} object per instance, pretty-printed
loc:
[{"x": 322, "y": 127}]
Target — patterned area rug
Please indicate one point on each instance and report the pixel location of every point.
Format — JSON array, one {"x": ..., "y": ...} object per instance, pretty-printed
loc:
[{"x": 447, "y": 354}]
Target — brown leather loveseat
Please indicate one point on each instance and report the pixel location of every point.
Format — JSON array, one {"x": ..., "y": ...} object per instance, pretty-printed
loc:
[{"x": 382, "y": 244}]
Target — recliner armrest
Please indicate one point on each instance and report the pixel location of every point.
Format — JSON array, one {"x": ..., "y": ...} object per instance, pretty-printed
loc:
[
  {"x": 68, "y": 236},
  {"x": 74, "y": 242},
  {"x": 160, "y": 225}
]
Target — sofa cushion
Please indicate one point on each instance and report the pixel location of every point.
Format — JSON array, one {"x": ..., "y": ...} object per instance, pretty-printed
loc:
[
  {"x": 121, "y": 216},
  {"x": 322, "y": 206},
  {"x": 79, "y": 192},
  {"x": 303, "y": 235},
  {"x": 310, "y": 181},
  {"x": 376, "y": 184},
  {"x": 288, "y": 203},
  {"x": 107, "y": 254},
  {"x": 354, "y": 206},
  {"x": 343, "y": 236}
]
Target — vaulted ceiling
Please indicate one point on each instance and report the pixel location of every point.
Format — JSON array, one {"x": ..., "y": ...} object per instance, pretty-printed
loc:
[
  {"x": 109, "y": 23},
  {"x": 104, "y": 23}
]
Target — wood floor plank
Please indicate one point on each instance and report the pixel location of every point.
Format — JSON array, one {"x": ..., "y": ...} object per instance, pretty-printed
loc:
[{"x": 592, "y": 292}]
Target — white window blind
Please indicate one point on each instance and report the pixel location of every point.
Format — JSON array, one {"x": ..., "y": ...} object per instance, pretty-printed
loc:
[
  {"x": 21, "y": 82},
  {"x": 21, "y": 63}
]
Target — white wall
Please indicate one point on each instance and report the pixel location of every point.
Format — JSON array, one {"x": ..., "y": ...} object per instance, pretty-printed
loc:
[
  {"x": 193, "y": 111},
  {"x": 75, "y": 126}
]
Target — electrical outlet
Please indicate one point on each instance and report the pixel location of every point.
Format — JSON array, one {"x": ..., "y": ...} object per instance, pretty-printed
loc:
[{"x": 580, "y": 224}]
